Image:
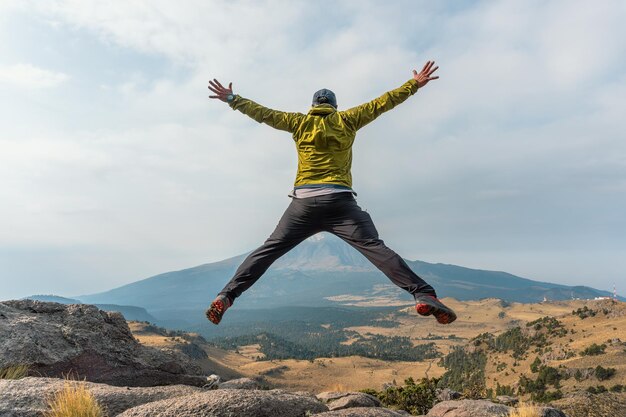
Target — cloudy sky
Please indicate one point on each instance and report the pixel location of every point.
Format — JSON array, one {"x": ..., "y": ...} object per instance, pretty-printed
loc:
[{"x": 115, "y": 165}]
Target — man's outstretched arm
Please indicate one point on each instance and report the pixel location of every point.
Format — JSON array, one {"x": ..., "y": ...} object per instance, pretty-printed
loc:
[
  {"x": 365, "y": 113},
  {"x": 274, "y": 118}
]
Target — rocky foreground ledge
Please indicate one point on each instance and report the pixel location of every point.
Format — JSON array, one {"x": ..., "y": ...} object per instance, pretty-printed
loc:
[
  {"x": 131, "y": 380},
  {"x": 27, "y": 398}
]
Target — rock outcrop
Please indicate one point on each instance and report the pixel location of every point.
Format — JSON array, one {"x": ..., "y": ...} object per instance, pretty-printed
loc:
[
  {"x": 342, "y": 400},
  {"x": 240, "y": 383},
  {"x": 507, "y": 400},
  {"x": 364, "y": 412},
  {"x": 584, "y": 404},
  {"x": 482, "y": 408},
  {"x": 550, "y": 412},
  {"x": 27, "y": 397},
  {"x": 468, "y": 408},
  {"x": 81, "y": 340},
  {"x": 447, "y": 394},
  {"x": 231, "y": 403}
]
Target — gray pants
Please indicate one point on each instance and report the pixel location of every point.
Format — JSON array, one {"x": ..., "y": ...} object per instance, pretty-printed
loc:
[{"x": 340, "y": 215}]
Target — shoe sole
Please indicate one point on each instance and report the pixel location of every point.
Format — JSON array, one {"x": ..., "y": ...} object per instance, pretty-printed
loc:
[
  {"x": 427, "y": 306},
  {"x": 215, "y": 312}
]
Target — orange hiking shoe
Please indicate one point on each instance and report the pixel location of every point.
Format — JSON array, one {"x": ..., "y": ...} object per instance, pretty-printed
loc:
[
  {"x": 217, "y": 309},
  {"x": 427, "y": 305}
]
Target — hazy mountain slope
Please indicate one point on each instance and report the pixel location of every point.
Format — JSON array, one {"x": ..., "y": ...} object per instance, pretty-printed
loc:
[
  {"x": 172, "y": 289},
  {"x": 456, "y": 281},
  {"x": 321, "y": 271}
]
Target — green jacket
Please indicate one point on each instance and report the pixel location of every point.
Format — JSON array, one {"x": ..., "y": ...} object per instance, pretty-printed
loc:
[{"x": 324, "y": 136}]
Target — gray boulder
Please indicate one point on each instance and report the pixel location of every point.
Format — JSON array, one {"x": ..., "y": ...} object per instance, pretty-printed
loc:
[
  {"x": 240, "y": 383},
  {"x": 468, "y": 408},
  {"x": 447, "y": 394},
  {"x": 365, "y": 412},
  {"x": 550, "y": 412},
  {"x": 81, "y": 340},
  {"x": 507, "y": 400},
  {"x": 354, "y": 400},
  {"x": 231, "y": 403},
  {"x": 482, "y": 408},
  {"x": 27, "y": 397},
  {"x": 342, "y": 400}
]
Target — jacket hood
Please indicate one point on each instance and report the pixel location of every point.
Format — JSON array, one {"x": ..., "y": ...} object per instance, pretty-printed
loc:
[{"x": 322, "y": 110}]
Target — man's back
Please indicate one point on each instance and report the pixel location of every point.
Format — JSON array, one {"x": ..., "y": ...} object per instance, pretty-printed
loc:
[
  {"x": 324, "y": 143},
  {"x": 324, "y": 136}
]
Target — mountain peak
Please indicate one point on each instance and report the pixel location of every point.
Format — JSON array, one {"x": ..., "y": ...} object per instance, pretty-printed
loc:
[
  {"x": 317, "y": 237},
  {"x": 326, "y": 252}
]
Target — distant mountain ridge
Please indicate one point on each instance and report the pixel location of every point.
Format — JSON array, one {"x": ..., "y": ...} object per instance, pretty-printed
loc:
[{"x": 321, "y": 271}]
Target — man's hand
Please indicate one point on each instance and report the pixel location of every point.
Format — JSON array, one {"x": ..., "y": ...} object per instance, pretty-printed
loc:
[
  {"x": 220, "y": 90},
  {"x": 424, "y": 76}
]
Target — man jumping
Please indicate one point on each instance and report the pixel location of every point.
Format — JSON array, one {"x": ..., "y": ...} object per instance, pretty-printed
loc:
[{"x": 322, "y": 198}]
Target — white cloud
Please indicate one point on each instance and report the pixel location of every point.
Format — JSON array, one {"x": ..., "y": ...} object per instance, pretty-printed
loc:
[
  {"x": 515, "y": 147},
  {"x": 30, "y": 76}
]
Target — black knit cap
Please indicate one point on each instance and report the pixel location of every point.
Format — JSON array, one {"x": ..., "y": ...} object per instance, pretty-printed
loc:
[{"x": 324, "y": 96}]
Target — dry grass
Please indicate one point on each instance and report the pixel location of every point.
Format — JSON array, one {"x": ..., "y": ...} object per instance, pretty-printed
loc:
[
  {"x": 74, "y": 400},
  {"x": 14, "y": 372},
  {"x": 338, "y": 388},
  {"x": 525, "y": 410}
]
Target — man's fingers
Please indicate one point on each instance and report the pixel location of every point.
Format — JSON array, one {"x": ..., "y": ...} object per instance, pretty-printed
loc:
[
  {"x": 216, "y": 91},
  {"x": 425, "y": 66},
  {"x": 432, "y": 78},
  {"x": 432, "y": 70},
  {"x": 216, "y": 86},
  {"x": 214, "y": 97},
  {"x": 218, "y": 83},
  {"x": 230, "y": 86}
]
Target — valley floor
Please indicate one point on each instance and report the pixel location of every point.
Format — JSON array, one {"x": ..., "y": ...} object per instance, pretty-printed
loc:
[{"x": 475, "y": 317}]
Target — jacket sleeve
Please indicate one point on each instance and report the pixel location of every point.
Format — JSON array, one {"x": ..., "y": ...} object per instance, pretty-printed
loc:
[
  {"x": 274, "y": 118},
  {"x": 361, "y": 115}
]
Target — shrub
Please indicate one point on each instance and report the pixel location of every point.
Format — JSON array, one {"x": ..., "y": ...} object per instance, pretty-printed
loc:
[
  {"x": 584, "y": 312},
  {"x": 593, "y": 350},
  {"x": 416, "y": 398},
  {"x": 513, "y": 340},
  {"x": 547, "y": 396},
  {"x": 618, "y": 388},
  {"x": 464, "y": 370},
  {"x": 549, "y": 323},
  {"x": 604, "y": 373},
  {"x": 534, "y": 367},
  {"x": 14, "y": 372},
  {"x": 74, "y": 400},
  {"x": 547, "y": 375},
  {"x": 578, "y": 376},
  {"x": 504, "y": 389},
  {"x": 597, "y": 390}
]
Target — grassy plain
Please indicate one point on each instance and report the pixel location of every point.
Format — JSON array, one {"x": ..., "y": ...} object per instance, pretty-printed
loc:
[{"x": 474, "y": 318}]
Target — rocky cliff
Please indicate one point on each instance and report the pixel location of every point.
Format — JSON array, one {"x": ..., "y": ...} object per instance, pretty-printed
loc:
[{"x": 55, "y": 340}]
